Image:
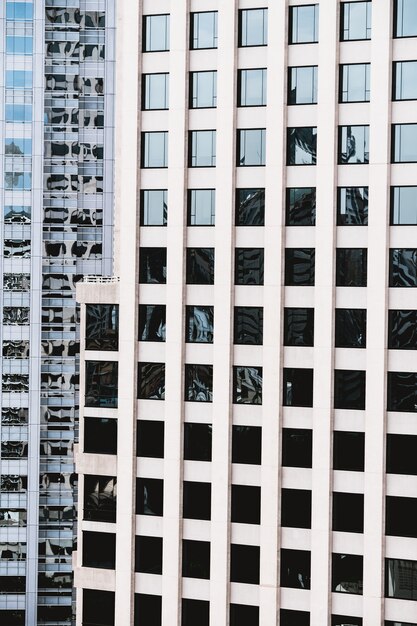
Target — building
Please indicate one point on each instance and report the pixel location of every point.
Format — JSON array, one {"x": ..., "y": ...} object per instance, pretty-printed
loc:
[
  {"x": 249, "y": 374},
  {"x": 56, "y": 224}
]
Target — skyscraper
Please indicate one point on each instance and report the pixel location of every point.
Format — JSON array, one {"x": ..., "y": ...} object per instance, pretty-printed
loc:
[{"x": 248, "y": 375}]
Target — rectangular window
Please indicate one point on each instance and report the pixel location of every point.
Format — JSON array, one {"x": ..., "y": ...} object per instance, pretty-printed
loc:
[
  {"x": 152, "y": 265},
  {"x": 348, "y": 451},
  {"x": 18, "y": 79},
  {"x": 19, "y": 45},
  {"x": 300, "y": 206},
  {"x": 19, "y": 11},
  {"x": 298, "y": 327},
  {"x": 18, "y": 112},
  {"x": 302, "y": 85},
  {"x": 200, "y": 266},
  {"x": 202, "y": 148},
  {"x": 100, "y": 498},
  {"x": 101, "y": 384},
  {"x": 304, "y": 24},
  {"x": 152, "y": 322},
  {"x": 201, "y": 207},
  {"x": 401, "y": 455},
  {"x": 150, "y": 439},
  {"x": 102, "y": 327},
  {"x": 350, "y": 328},
  {"x": 355, "y": 82},
  {"x": 349, "y": 389},
  {"x": 400, "y": 515},
  {"x": 402, "y": 392},
  {"x": 295, "y": 508},
  {"x": 100, "y": 435},
  {"x": 198, "y": 383},
  {"x": 404, "y": 206},
  {"x": 253, "y": 27},
  {"x": 197, "y": 442},
  {"x": 199, "y": 325},
  {"x": 251, "y": 88},
  {"x": 153, "y": 207},
  {"x": 405, "y": 18},
  {"x": 404, "y": 143},
  {"x": 249, "y": 266},
  {"x": 356, "y": 18},
  {"x": 17, "y": 214},
  {"x": 302, "y": 145},
  {"x": 203, "y": 90},
  {"x": 352, "y": 206},
  {"x": 18, "y": 180},
  {"x": 353, "y": 144},
  {"x": 402, "y": 330},
  {"x": 251, "y": 147},
  {"x": 297, "y": 447},
  {"x": 347, "y": 573},
  {"x": 351, "y": 267},
  {"x": 401, "y": 579},
  {"x": 14, "y": 146},
  {"x": 149, "y": 496},
  {"x": 151, "y": 381},
  {"x": 404, "y": 81},
  {"x": 99, "y": 550},
  {"x": 250, "y": 207},
  {"x": 203, "y": 30},
  {"x": 155, "y": 149},
  {"x": 155, "y": 92},
  {"x": 247, "y": 385},
  {"x": 295, "y": 569},
  {"x": 247, "y": 445},
  {"x": 248, "y": 325},
  {"x": 299, "y": 267},
  {"x": 403, "y": 267},
  {"x": 297, "y": 387},
  {"x": 155, "y": 33}
]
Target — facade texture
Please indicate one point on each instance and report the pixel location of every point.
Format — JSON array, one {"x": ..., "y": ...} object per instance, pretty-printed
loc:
[{"x": 249, "y": 377}]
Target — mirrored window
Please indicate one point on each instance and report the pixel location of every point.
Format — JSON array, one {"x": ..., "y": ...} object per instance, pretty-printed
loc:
[
  {"x": 248, "y": 325},
  {"x": 151, "y": 381},
  {"x": 155, "y": 92},
  {"x": 352, "y": 206},
  {"x": 149, "y": 496},
  {"x": 14, "y": 146},
  {"x": 202, "y": 148},
  {"x": 302, "y": 85},
  {"x": 304, "y": 24},
  {"x": 100, "y": 498},
  {"x": 404, "y": 80},
  {"x": 404, "y": 205},
  {"x": 199, "y": 324},
  {"x": 353, "y": 144},
  {"x": 405, "y": 18},
  {"x": 18, "y": 112},
  {"x": 152, "y": 265},
  {"x": 404, "y": 143},
  {"x": 201, "y": 207},
  {"x": 155, "y": 33},
  {"x": 350, "y": 328},
  {"x": 155, "y": 149},
  {"x": 402, "y": 330},
  {"x": 253, "y": 27},
  {"x": 403, "y": 267},
  {"x": 203, "y": 30},
  {"x": 401, "y": 579},
  {"x": 298, "y": 327},
  {"x": 153, "y": 207},
  {"x": 355, "y": 82},
  {"x": 299, "y": 266},
  {"x": 351, "y": 267},
  {"x": 101, "y": 384},
  {"x": 102, "y": 327},
  {"x": 200, "y": 266},
  {"x": 295, "y": 569},
  {"x": 349, "y": 389},
  {"x": 356, "y": 21},
  {"x": 300, "y": 206},
  {"x": 251, "y": 147},
  {"x": 198, "y": 383},
  {"x": 347, "y": 573},
  {"x": 203, "y": 90},
  {"x": 247, "y": 385},
  {"x": 297, "y": 387},
  {"x": 302, "y": 145},
  {"x": 250, "y": 207},
  {"x": 402, "y": 392},
  {"x": 251, "y": 88},
  {"x": 152, "y": 322},
  {"x": 249, "y": 266}
]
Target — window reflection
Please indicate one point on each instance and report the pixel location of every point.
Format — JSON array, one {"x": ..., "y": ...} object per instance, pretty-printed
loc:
[
  {"x": 295, "y": 569},
  {"x": 203, "y": 90},
  {"x": 356, "y": 18},
  {"x": 151, "y": 381},
  {"x": 349, "y": 389},
  {"x": 247, "y": 385},
  {"x": 302, "y": 85},
  {"x": 351, "y": 267},
  {"x": 402, "y": 330},
  {"x": 403, "y": 267},
  {"x": 251, "y": 147},
  {"x": 298, "y": 327},
  {"x": 200, "y": 266},
  {"x": 100, "y": 498},
  {"x": 252, "y": 87},
  {"x": 302, "y": 145},
  {"x": 352, "y": 206},
  {"x": 402, "y": 392},
  {"x": 201, "y": 207},
  {"x": 347, "y": 573},
  {"x": 404, "y": 80},
  {"x": 350, "y": 328},
  {"x": 152, "y": 322},
  {"x": 401, "y": 579},
  {"x": 301, "y": 206},
  {"x": 405, "y": 18},
  {"x": 154, "y": 149},
  {"x": 101, "y": 383},
  {"x": 299, "y": 266},
  {"x": 250, "y": 207},
  {"x": 152, "y": 265},
  {"x": 249, "y": 266},
  {"x": 155, "y": 33},
  {"x": 353, "y": 144},
  {"x": 155, "y": 92},
  {"x": 202, "y": 148},
  {"x": 102, "y": 327},
  {"x": 153, "y": 207},
  {"x": 199, "y": 383},
  {"x": 355, "y": 82},
  {"x": 199, "y": 324},
  {"x": 248, "y": 325},
  {"x": 297, "y": 387},
  {"x": 404, "y": 205},
  {"x": 253, "y": 27},
  {"x": 149, "y": 496}
]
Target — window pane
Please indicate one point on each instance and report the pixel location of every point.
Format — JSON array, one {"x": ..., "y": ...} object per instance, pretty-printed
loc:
[
  {"x": 155, "y": 94},
  {"x": 352, "y": 206},
  {"x": 350, "y": 328},
  {"x": 150, "y": 439},
  {"x": 353, "y": 144},
  {"x": 200, "y": 266},
  {"x": 297, "y": 387},
  {"x": 148, "y": 609},
  {"x": 19, "y": 45},
  {"x": 403, "y": 267},
  {"x": 404, "y": 205},
  {"x": 349, "y": 389},
  {"x": 356, "y": 20},
  {"x": 304, "y": 24},
  {"x": 348, "y": 451},
  {"x": 100, "y": 498},
  {"x": 152, "y": 322},
  {"x": 246, "y": 504},
  {"x": 302, "y": 145},
  {"x": 347, "y": 573},
  {"x": 244, "y": 613},
  {"x": 18, "y": 79},
  {"x": 301, "y": 206},
  {"x": 203, "y": 90},
  {"x": 247, "y": 445},
  {"x": 401, "y": 454},
  {"x": 149, "y": 496},
  {"x": 100, "y": 435},
  {"x": 14, "y": 146},
  {"x": 203, "y": 30},
  {"x": 197, "y": 442},
  {"x": 251, "y": 147},
  {"x": 202, "y": 146},
  {"x": 201, "y": 207},
  {"x": 295, "y": 569},
  {"x": 101, "y": 384},
  {"x": 155, "y": 149},
  {"x": 405, "y": 24},
  {"x": 404, "y": 143},
  {"x": 154, "y": 207},
  {"x": 295, "y": 508},
  {"x": 102, "y": 327},
  {"x": 302, "y": 85},
  {"x": 299, "y": 266},
  {"x": 249, "y": 266},
  {"x": 248, "y": 325},
  {"x": 17, "y": 11},
  {"x": 247, "y": 385},
  {"x": 244, "y": 564},
  {"x": 250, "y": 207},
  {"x": 195, "y": 559},
  {"x": 198, "y": 383},
  {"x": 402, "y": 392},
  {"x": 151, "y": 381},
  {"x": 401, "y": 579},
  {"x": 351, "y": 267},
  {"x": 156, "y": 33},
  {"x": 405, "y": 80},
  {"x": 402, "y": 330},
  {"x": 148, "y": 554},
  {"x": 253, "y": 27},
  {"x": 400, "y": 516},
  {"x": 196, "y": 500},
  {"x": 348, "y": 512},
  {"x": 252, "y": 88},
  {"x": 298, "y": 327},
  {"x": 98, "y": 607},
  {"x": 297, "y": 447},
  {"x": 18, "y": 112},
  {"x": 152, "y": 265},
  {"x": 199, "y": 324},
  {"x": 355, "y": 82},
  {"x": 294, "y": 618},
  {"x": 99, "y": 550}
]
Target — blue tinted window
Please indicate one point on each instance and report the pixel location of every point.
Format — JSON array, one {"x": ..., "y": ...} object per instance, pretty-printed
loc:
[
  {"x": 17, "y": 147},
  {"x": 19, "y": 45},
  {"x": 18, "y": 79},
  {"x": 405, "y": 22},
  {"x": 18, "y": 113},
  {"x": 17, "y": 180},
  {"x": 19, "y": 11}
]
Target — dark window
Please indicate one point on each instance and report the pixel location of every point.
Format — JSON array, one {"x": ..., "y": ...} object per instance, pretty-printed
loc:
[
  {"x": 250, "y": 207},
  {"x": 197, "y": 442},
  {"x": 405, "y": 18},
  {"x": 404, "y": 205},
  {"x": 196, "y": 500},
  {"x": 299, "y": 266},
  {"x": 153, "y": 207},
  {"x": 203, "y": 90},
  {"x": 347, "y": 573},
  {"x": 246, "y": 504},
  {"x": 149, "y": 496},
  {"x": 300, "y": 206},
  {"x": 102, "y": 327},
  {"x": 150, "y": 439},
  {"x": 154, "y": 146},
  {"x": 400, "y": 516},
  {"x": 401, "y": 579},
  {"x": 401, "y": 454},
  {"x": 348, "y": 512},
  {"x": 201, "y": 207},
  {"x": 202, "y": 148},
  {"x": 404, "y": 80},
  {"x": 100, "y": 435},
  {"x": 352, "y": 206},
  {"x": 153, "y": 265},
  {"x": 253, "y": 27},
  {"x": 98, "y": 608},
  {"x": 246, "y": 444},
  {"x": 152, "y": 322},
  {"x": 403, "y": 144},
  {"x": 244, "y": 615},
  {"x": 99, "y": 550},
  {"x": 251, "y": 88},
  {"x": 247, "y": 385},
  {"x": 101, "y": 384},
  {"x": 304, "y": 24},
  {"x": 155, "y": 92},
  {"x": 395, "y": 623},
  {"x": 198, "y": 383},
  {"x": 349, "y": 389},
  {"x": 402, "y": 330},
  {"x": 195, "y": 612},
  {"x": 353, "y": 144},
  {"x": 297, "y": 386},
  {"x": 48, "y": 614},
  {"x": 302, "y": 85},
  {"x": 151, "y": 381},
  {"x": 355, "y": 82},
  {"x": 351, "y": 267},
  {"x": 155, "y": 33},
  {"x": 148, "y": 555},
  {"x": 402, "y": 392},
  {"x": 199, "y": 324},
  {"x": 297, "y": 447},
  {"x": 12, "y": 617},
  {"x": 200, "y": 266},
  {"x": 13, "y": 584},
  {"x": 350, "y": 328},
  {"x": 294, "y": 618},
  {"x": 295, "y": 508},
  {"x": 403, "y": 267},
  {"x": 148, "y": 610},
  {"x": 298, "y": 327},
  {"x": 348, "y": 451},
  {"x": 203, "y": 30},
  {"x": 248, "y": 325},
  {"x": 356, "y": 18},
  {"x": 295, "y": 569},
  {"x": 244, "y": 564},
  {"x": 100, "y": 498},
  {"x": 250, "y": 147},
  {"x": 301, "y": 145},
  {"x": 249, "y": 266},
  {"x": 343, "y": 620},
  {"x": 195, "y": 559}
]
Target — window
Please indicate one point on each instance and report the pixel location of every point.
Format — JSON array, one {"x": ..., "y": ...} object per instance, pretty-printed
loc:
[
  {"x": 403, "y": 144},
  {"x": 18, "y": 112},
  {"x": 297, "y": 447},
  {"x": 195, "y": 612},
  {"x": 353, "y": 144},
  {"x": 148, "y": 555},
  {"x": 401, "y": 579},
  {"x": 200, "y": 266},
  {"x": 15, "y": 146},
  {"x": 404, "y": 205},
  {"x": 253, "y": 27},
  {"x": 155, "y": 92},
  {"x": 18, "y": 214},
  {"x": 249, "y": 266},
  {"x": 197, "y": 442},
  {"x": 350, "y": 328},
  {"x": 202, "y": 148},
  {"x": 101, "y": 384},
  {"x": 203, "y": 90},
  {"x": 294, "y": 618},
  {"x": 251, "y": 147},
  {"x": 196, "y": 500},
  {"x": 297, "y": 387},
  {"x": 99, "y": 550},
  {"x": 149, "y": 496},
  {"x": 152, "y": 265},
  {"x": 150, "y": 439},
  {"x": 355, "y": 82},
  {"x": 352, "y": 206},
  {"x": 251, "y": 88},
  {"x": 18, "y": 180},
  {"x": 199, "y": 324},
  {"x": 250, "y": 207},
  {"x": 247, "y": 445},
  {"x": 151, "y": 381},
  {"x": 295, "y": 569},
  {"x": 155, "y": 33},
  {"x": 98, "y": 608},
  {"x": 301, "y": 145},
  {"x": 405, "y": 18},
  {"x": 299, "y": 267},
  {"x": 18, "y": 79},
  {"x": 304, "y": 24},
  {"x": 248, "y": 325},
  {"x": 246, "y": 504},
  {"x": 351, "y": 267},
  {"x": 347, "y": 573},
  {"x": 195, "y": 559},
  {"x": 19, "y": 45},
  {"x": 404, "y": 80},
  {"x": 400, "y": 515},
  {"x": 155, "y": 149},
  {"x": 402, "y": 330},
  {"x": 300, "y": 206},
  {"x": 198, "y": 383},
  {"x": 302, "y": 85},
  {"x": 298, "y": 327},
  {"x": 295, "y": 508},
  {"x": 201, "y": 207},
  {"x": 244, "y": 564},
  {"x": 247, "y": 385},
  {"x": 348, "y": 512},
  {"x": 349, "y": 389},
  {"x": 203, "y": 30},
  {"x": 343, "y": 620},
  {"x": 348, "y": 451},
  {"x": 148, "y": 610},
  {"x": 244, "y": 614},
  {"x": 19, "y": 11},
  {"x": 100, "y": 498},
  {"x": 356, "y": 18},
  {"x": 403, "y": 267},
  {"x": 100, "y": 435},
  {"x": 153, "y": 207},
  {"x": 401, "y": 456},
  {"x": 102, "y": 327},
  {"x": 152, "y": 322},
  {"x": 402, "y": 392}
]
